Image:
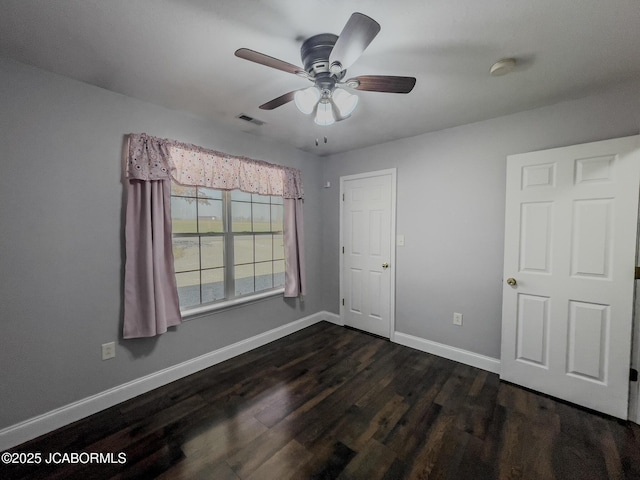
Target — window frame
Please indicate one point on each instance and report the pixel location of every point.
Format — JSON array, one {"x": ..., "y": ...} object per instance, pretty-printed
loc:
[{"x": 229, "y": 265}]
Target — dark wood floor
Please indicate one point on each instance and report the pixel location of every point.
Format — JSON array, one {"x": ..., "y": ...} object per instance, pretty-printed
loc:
[{"x": 329, "y": 402}]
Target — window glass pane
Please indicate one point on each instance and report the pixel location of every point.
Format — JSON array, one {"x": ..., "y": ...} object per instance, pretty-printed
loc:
[
  {"x": 278, "y": 273},
  {"x": 240, "y": 195},
  {"x": 210, "y": 216},
  {"x": 240, "y": 217},
  {"x": 212, "y": 251},
  {"x": 264, "y": 276},
  {"x": 242, "y": 249},
  {"x": 186, "y": 253},
  {"x": 278, "y": 247},
  {"x": 261, "y": 214},
  {"x": 182, "y": 191},
  {"x": 258, "y": 259},
  {"x": 209, "y": 193},
  {"x": 212, "y": 285},
  {"x": 188, "y": 288},
  {"x": 264, "y": 249},
  {"x": 244, "y": 279},
  {"x": 260, "y": 198},
  {"x": 183, "y": 215},
  {"x": 277, "y": 218}
]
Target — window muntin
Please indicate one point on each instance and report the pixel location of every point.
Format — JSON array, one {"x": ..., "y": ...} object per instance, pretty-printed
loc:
[{"x": 226, "y": 244}]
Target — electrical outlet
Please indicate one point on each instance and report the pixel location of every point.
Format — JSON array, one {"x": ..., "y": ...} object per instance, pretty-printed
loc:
[
  {"x": 108, "y": 350},
  {"x": 457, "y": 319}
]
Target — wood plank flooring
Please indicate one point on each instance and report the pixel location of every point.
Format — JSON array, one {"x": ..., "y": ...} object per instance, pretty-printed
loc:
[{"x": 333, "y": 403}]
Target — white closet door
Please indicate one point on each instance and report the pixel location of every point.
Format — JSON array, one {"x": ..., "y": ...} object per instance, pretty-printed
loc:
[{"x": 367, "y": 238}]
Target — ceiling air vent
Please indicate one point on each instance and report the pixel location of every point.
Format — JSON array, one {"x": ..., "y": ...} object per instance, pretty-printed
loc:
[{"x": 247, "y": 118}]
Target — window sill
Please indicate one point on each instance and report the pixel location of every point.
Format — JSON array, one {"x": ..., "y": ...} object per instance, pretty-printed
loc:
[{"x": 190, "y": 313}]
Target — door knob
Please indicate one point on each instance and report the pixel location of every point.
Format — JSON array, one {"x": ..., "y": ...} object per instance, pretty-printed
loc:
[
  {"x": 385, "y": 265},
  {"x": 512, "y": 281}
]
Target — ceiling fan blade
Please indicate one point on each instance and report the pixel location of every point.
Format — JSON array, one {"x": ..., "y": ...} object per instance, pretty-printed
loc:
[
  {"x": 382, "y": 83},
  {"x": 356, "y": 36},
  {"x": 278, "y": 102},
  {"x": 263, "y": 59}
]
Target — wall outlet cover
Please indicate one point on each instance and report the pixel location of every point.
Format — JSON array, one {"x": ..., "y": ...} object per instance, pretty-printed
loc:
[{"x": 108, "y": 350}]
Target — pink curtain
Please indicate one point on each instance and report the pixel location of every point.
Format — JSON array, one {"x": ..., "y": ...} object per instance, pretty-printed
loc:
[
  {"x": 151, "y": 295},
  {"x": 151, "y": 302},
  {"x": 294, "y": 278}
]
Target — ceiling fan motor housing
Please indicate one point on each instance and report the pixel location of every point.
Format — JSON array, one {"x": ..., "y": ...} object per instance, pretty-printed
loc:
[{"x": 315, "y": 53}]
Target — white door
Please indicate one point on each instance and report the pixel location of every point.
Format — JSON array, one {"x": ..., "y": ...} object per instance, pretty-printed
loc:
[
  {"x": 570, "y": 245},
  {"x": 367, "y": 234}
]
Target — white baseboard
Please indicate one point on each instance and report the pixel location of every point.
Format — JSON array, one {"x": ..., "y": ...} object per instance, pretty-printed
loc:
[
  {"x": 45, "y": 423},
  {"x": 333, "y": 318},
  {"x": 483, "y": 362}
]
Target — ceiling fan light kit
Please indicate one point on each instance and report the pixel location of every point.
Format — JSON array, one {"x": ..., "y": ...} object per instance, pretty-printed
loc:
[
  {"x": 306, "y": 99},
  {"x": 338, "y": 104},
  {"x": 326, "y": 58},
  {"x": 324, "y": 113},
  {"x": 344, "y": 101}
]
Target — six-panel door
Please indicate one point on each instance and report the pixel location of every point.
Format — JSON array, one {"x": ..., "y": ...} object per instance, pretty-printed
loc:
[
  {"x": 366, "y": 236},
  {"x": 570, "y": 243}
]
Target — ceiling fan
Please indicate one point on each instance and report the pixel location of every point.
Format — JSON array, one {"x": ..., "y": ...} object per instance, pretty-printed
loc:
[{"x": 326, "y": 58}]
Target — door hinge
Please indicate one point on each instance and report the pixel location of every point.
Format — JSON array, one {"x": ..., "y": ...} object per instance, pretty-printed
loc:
[
  {"x": 633, "y": 375},
  {"x": 343, "y": 305},
  {"x": 343, "y": 197},
  {"x": 342, "y": 249},
  {"x": 637, "y": 273}
]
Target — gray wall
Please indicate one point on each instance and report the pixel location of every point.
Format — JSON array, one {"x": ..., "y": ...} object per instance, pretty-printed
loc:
[
  {"x": 61, "y": 241},
  {"x": 451, "y": 190},
  {"x": 61, "y": 236}
]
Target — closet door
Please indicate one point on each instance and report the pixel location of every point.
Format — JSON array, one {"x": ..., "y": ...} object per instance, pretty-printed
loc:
[{"x": 367, "y": 262}]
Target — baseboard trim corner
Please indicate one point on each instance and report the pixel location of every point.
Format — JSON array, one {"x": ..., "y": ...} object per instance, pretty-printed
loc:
[
  {"x": 333, "y": 318},
  {"x": 34, "y": 427},
  {"x": 473, "y": 359}
]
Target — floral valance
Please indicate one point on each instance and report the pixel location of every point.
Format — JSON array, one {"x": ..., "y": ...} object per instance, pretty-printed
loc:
[{"x": 152, "y": 158}]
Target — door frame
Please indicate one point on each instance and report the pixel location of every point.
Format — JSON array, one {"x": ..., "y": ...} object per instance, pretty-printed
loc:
[
  {"x": 392, "y": 286},
  {"x": 634, "y": 387}
]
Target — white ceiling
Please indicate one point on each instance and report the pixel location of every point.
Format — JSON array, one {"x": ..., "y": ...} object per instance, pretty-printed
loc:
[{"x": 179, "y": 53}]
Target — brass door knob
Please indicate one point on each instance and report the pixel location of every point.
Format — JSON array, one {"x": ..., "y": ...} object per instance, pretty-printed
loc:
[
  {"x": 385, "y": 265},
  {"x": 511, "y": 281}
]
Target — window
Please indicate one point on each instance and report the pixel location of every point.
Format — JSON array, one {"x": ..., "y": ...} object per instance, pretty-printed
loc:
[{"x": 226, "y": 244}]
